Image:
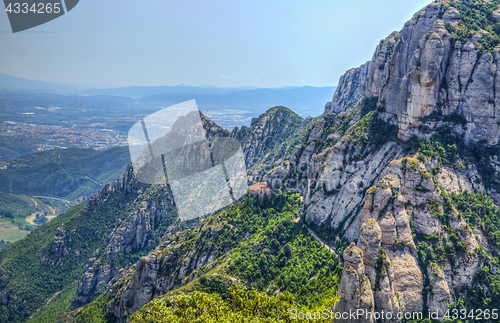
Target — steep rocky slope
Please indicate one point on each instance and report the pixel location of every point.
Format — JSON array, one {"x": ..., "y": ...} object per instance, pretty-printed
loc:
[
  {"x": 350, "y": 89},
  {"x": 413, "y": 135},
  {"x": 398, "y": 179},
  {"x": 251, "y": 243},
  {"x": 129, "y": 218},
  {"x": 382, "y": 173},
  {"x": 153, "y": 216},
  {"x": 262, "y": 141}
]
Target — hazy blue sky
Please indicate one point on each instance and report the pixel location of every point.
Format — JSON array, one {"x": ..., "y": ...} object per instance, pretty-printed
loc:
[{"x": 264, "y": 43}]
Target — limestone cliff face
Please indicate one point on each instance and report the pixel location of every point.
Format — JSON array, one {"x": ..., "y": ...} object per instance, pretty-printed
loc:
[
  {"x": 422, "y": 71},
  {"x": 365, "y": 80},
  {"x": 430, "y": 70},
  {"x": 349, "y": 89},
  {"x": 425, "y": 68},
  {"x": 355, "y": 291},
  {"x": 379, "y": 69},
  {"x": 171, "y": 265},
  {"x": 387, "y": 248},
  {"x": 138, "y": 232},
  {"x": 383, "y": 198}
]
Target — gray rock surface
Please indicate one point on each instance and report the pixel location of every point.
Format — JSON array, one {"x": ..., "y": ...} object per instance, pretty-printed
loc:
[
  {"x": 350, "y": 89},
  {"x": 354, "y": 289},
  {"x": 427, "y": 72}
]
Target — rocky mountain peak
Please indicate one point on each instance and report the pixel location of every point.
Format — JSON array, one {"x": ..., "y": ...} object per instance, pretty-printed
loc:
[
  {"x": 443, "y": 63},
  {"x": 258, "y": 140}
]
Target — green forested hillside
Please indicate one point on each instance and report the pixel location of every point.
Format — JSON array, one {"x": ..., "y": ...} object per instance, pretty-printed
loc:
[
  {"x": 241, "y": 305},
  {"x": 41, "y": 271},
  {"x": 63, "y": 173},
  {"x": 12, "y": 206},
  {"x": 13, "y": 212},
  {"x": 261, "y": 247}
]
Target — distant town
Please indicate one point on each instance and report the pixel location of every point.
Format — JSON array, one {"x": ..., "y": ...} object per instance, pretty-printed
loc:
[{"x": 43, "y": 137}]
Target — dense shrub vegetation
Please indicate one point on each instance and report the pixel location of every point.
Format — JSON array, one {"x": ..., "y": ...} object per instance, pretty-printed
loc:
[
  {"x": 260, "y": 245},
  {"x": 46, "y": 274},
  {"x": 475, "y": 15},
  {"x": 243, "y": 305},
  {"x": 286, "y": 257},
  {"x": 484, "y": 292},
  {"x": 370, "y": 133},
  {"x": 450, "y": 148},
  {"x": 66, "y": 173},
  {"x": 288, "y": 129},
  {"x": 479, "y": 211}
]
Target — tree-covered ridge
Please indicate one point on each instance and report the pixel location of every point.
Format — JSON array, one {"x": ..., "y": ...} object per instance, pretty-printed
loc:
[
  {"x": 258, "y": 245},
  {"x": 12, "y": 206},
  {"x": 37, "y": 269},
  {"x": 242, "y": 305},
  {"x": 284, "y": 256},
  {"x": 284, "y": 150},
  {"x": 64, "y": 173},
  {"x": 271, "y": 137},
  {"x": 480, "y": 212}
]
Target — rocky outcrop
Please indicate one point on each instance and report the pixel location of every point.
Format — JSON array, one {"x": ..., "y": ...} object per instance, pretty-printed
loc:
[
  {"x": 349, "y": 89},
  {"x": 439, "y": 295},
  {"x": 389, "y": 252},
  {"x": 344, "y": 181},
  {"x": 93, "y": 281},
  {"x": 139, "y": 231},
  {"x": 140, "y": 290},
  {"x": 379, "y": 69},
  {"x": 266, "y": 133},
  {"x": 451, "y": 15},
  {"x": 355, "y": 291},
  {"x": 125, "y": 183},
  {"x": 132, "y": 234},
  {"x": 404, "y": 195},
  {"x": 169, "y": 266},
  {"x": 429, "y": 70}
]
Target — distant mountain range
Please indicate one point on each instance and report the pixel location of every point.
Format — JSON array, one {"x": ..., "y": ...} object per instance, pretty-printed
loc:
[
  {"x": 138, "y": 92},
  {"x": 9, "y": 83},
  {"x": 306, "y": 100}
]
